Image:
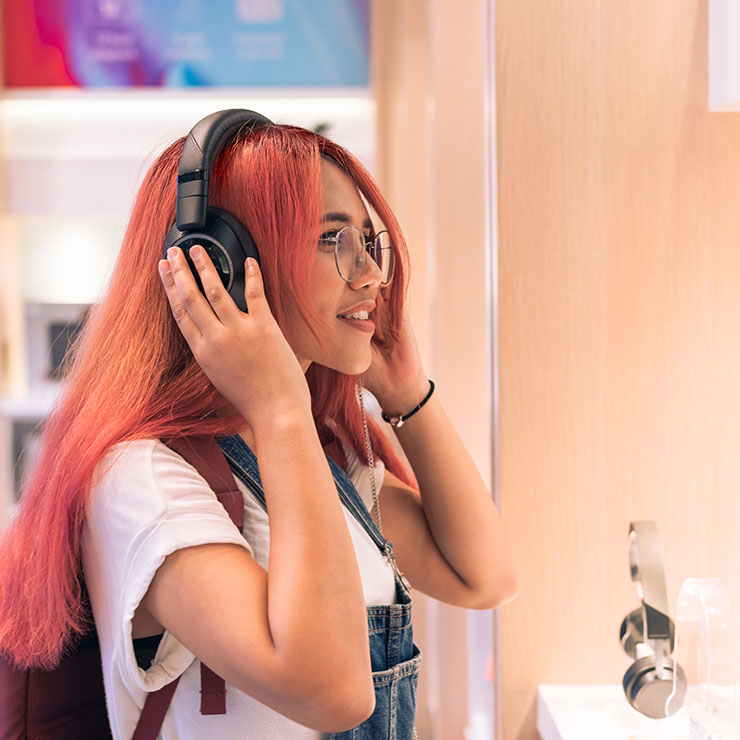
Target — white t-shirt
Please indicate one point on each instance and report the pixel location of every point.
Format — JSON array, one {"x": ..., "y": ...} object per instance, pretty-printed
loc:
[{"x": 149, "y": 504}]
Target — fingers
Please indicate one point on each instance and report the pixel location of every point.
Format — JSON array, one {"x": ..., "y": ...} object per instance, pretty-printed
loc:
[
  {"x": 254, "y": 290},
  {"x": 218, "y": 298},
  {"x": 189, "y": 306},
  {"x": 191, "y": 310},
  {"x": 188, "y": 328}
]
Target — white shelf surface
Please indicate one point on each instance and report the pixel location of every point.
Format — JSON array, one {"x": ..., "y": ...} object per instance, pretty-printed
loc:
[{"x": 601, "y": 711}]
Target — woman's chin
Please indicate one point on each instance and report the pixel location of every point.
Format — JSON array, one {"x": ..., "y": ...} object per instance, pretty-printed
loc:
[
  {"x": 356, "y": 369},
  {"x": 354, "y": 366}
]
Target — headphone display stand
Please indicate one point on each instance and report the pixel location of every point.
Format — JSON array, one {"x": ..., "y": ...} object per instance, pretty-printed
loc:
[{"x": 705, "y": 647}]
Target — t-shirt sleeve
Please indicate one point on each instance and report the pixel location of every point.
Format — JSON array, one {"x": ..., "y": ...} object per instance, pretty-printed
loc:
[{"x": 147, "y": 503}]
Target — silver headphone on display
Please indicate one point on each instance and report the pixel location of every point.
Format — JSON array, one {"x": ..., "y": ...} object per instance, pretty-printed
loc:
[{"x": 647, "y": 633}]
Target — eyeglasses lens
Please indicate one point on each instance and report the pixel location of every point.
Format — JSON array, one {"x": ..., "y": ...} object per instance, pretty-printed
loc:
[{"x": 353, "y": 247}]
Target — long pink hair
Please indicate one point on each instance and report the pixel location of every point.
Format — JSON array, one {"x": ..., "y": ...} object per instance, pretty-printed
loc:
[{"x": 133, "y": 376}]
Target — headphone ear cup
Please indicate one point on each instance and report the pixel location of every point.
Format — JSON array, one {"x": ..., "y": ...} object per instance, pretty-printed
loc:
[
  {"x": 650, "y": 695},
  {"x": 631, "y": 631},
  {"x": 227, "y": 242}
]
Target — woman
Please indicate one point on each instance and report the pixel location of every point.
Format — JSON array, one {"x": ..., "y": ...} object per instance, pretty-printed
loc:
[{"x": 284, "y": 609}]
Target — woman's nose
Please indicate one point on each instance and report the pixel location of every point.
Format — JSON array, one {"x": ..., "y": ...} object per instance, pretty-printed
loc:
[{"x": 370, "y": 276}]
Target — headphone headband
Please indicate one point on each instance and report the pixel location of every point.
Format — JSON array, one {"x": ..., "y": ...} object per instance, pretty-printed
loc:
[{"x": 202, "y": 145}]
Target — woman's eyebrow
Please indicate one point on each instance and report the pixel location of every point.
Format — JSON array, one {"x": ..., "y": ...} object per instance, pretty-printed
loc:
[{"x": 344, "y": 218}]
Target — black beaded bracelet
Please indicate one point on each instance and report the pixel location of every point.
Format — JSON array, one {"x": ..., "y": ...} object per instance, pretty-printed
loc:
[{"x": 397, "y": 421}]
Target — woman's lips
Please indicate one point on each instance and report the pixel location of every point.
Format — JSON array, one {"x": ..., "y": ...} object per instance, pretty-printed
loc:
[{"x": 363, "y": 325}]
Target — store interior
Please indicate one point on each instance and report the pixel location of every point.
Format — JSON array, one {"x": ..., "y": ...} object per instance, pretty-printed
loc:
[
  {"x": 72, "y": 159},
  {"x": 565, "y": 177}
]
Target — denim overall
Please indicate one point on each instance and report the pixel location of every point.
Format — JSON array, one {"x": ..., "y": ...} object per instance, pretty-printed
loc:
[{"x": 395, "y": 658}]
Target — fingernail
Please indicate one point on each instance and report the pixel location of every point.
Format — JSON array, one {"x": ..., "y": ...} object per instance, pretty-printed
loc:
[
  {"x": 164, "y": 268},
  {"x": 196, "y": 252},
  {"x": 172, "y": 253},
  {"x": 251, "y": 264}
]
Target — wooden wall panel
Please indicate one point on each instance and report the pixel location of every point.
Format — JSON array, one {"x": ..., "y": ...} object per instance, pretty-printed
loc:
[
  {"x": 429, "y": 84},
  {"x": 619, "y": 325}
]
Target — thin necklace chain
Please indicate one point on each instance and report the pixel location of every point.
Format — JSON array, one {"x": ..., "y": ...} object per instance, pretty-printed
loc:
[
  {"x": 370, "y": 460},
  {"x": 390, "y": 557},
  {"x": 388, "y": 546}
]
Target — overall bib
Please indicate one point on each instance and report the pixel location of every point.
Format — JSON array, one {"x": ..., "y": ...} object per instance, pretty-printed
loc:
[{"x": 395, "y": 658}]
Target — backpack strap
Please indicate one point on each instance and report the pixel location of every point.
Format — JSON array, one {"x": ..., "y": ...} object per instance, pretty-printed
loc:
[
  {"x": 204, "y": 454},
  {"x": 155, "y": 708}
]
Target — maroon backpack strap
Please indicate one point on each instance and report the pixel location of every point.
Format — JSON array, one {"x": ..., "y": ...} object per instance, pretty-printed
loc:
[
  {"x": 155, "y": 708},
  {"x": 204, "y": 454},
  {"x": 212, "y": 692}
]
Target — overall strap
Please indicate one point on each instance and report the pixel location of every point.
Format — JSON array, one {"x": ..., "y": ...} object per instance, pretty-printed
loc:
[
  {"x": 206, "y": 457},
  {"x": 243, "y": 464},
  {"x": 353, "y": 501}
]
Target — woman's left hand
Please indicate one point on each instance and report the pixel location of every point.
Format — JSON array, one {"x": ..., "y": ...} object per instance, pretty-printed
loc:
[{"x": 396, "y": 377}]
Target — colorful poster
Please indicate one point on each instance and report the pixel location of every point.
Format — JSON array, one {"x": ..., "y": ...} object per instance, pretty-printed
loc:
[{"x": 184, "y": 43}]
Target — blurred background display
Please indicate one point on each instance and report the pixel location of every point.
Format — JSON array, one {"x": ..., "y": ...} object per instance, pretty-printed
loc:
[{"x": 185, "y": 43}]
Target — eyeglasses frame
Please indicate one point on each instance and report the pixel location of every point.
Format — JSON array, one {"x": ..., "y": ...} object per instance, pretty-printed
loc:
[{"x": 371, "y": 242}]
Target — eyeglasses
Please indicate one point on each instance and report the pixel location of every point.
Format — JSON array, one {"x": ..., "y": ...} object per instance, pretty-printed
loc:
[{"x": 350, "y": 246}]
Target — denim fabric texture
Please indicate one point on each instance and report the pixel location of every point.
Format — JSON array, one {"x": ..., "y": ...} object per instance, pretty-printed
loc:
[{"x": 395, "y": 659}]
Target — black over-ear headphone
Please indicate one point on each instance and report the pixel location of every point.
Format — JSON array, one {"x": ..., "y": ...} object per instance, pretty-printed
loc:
[{"x": 226, "y": 240}]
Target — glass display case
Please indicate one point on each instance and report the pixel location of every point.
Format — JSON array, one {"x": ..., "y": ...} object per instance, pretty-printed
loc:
[{"x": 705, "y": 648}]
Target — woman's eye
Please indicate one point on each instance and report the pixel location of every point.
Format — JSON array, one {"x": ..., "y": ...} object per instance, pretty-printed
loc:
[{"x": 327, "y": 241}]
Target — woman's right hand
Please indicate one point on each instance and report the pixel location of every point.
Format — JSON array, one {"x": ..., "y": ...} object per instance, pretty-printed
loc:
[{"x": 245, "y": 355}]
